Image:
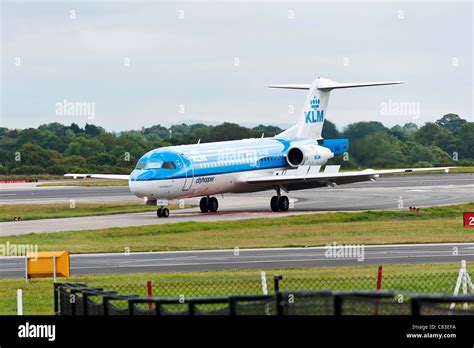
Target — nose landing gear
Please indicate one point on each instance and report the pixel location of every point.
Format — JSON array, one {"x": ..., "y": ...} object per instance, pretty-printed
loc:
[
  {"x": 163, "y": 212},
  {"x": 209, "y": 204}
]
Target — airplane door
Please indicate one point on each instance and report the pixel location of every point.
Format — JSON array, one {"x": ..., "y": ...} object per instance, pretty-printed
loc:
[{"x": 188, "y": 181}]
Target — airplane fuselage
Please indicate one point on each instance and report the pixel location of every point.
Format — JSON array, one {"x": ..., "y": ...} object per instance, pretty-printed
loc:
[{"x": 213, "y": 168}]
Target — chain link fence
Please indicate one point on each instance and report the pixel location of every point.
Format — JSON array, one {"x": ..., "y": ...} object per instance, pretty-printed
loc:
[
  {"x": 79, "y": 299},
  {"x": 440, "y": 282},
  {"x": 401, "y": 294}
]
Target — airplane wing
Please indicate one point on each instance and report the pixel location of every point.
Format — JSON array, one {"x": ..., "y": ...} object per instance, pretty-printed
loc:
[
  {"x": 305, "y": 179},
  {"x": 100, "y": 176}
]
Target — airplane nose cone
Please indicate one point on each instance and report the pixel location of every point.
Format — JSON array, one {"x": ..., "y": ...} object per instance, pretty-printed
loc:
[{"x": 138, "y": 188}]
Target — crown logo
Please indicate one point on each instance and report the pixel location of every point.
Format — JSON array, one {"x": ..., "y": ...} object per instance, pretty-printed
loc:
[{"x": 314, "y": 103}]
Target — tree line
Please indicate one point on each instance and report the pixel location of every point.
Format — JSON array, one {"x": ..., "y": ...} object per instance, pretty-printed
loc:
[{"x": 57, "y": 149}]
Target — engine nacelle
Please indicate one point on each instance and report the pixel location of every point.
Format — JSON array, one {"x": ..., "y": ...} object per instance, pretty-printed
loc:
[{"x": 308, "y": 155}]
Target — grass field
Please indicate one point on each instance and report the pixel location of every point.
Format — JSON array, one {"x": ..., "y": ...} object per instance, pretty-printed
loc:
[
  {"x": 62, "y": 210},
  {"x": 429, "y": 225},
  {"x": 38, "y": 293}
]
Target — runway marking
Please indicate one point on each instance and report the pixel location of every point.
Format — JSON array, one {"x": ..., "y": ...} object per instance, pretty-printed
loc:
[
  {"x": 273, "y": 249},
  {"x": 274, "y": 261},
  {"x": 169, "y": 258}
]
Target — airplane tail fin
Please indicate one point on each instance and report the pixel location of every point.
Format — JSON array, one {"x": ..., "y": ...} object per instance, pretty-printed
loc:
[{"x": 311, "y": 120}]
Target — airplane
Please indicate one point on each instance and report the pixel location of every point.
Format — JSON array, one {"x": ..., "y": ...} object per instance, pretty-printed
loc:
[{"x": 289, "y": 161}]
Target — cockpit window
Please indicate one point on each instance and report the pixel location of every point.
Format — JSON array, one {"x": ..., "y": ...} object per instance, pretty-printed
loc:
[
  {"x": 169, "y": 165},
  {"x": 154, "y": 165},
  {"x": 140, "y": 165}
]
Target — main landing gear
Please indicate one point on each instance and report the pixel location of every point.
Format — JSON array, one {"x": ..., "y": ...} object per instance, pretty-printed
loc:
[
  {"x": 163, "y": 212},
  {"x": 208, "y": 204},
  {"x": 279, "y": 202}
]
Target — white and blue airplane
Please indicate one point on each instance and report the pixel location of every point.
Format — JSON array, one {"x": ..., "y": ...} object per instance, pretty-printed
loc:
[{"x": 288, "y": 161}]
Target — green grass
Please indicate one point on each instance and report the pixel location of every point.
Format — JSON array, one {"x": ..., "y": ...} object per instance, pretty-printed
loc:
[
  {"x": 63, "y": 210},
  {"x": 429, "y": 225},
  {"x": 38, "y": 293}
]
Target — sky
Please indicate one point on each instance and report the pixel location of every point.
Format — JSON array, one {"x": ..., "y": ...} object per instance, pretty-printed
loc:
[{"x": 131, "y": 64}]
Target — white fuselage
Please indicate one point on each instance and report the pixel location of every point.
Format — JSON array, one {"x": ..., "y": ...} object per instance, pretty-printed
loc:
[{"x": 213, "y": 168}]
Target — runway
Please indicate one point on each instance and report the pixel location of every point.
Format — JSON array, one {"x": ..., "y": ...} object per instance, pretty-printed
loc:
[
  {"x": 255, "y": 259},
  {"x": 29, "y": 193},
  {"x": 385, "y": 193}
]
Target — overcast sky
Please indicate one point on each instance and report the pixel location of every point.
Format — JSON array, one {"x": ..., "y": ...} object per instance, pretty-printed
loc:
[{"x": 144, "y": 63}]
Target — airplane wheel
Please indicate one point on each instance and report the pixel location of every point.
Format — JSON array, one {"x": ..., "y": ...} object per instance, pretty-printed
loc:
[
  {"x": 213, "y": 204},
  {"x": 283, "y": 203},
  {"x": 165, "y": 212},
  {"x": 274, "y": 203},
  {"x": 159, "y": 212},
  {"x": 204, "y": 204}
]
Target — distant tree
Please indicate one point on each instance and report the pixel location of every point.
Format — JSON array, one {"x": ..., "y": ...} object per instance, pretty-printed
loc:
[
  {"x": 156, "y": 132},
  {"x": 428, "y": 134},
  {"x": 75, "y": 128},
  {"x": 397, "y": 132},
  {"x": 410, "y": 127},
  {"x": 466, "y": 143},
  {"x": 93, "y": 130},
  {"x": 229, "y": 131},
  {"x": 378, "y": 150},
  {"x": 56, "y": 149},
  {"x": 54, "y": 127},
  {"x": 34, "y": 155},
  {"x": 451, "y": 122},
  {"x": 330, "y": 131},
  {"x": 269, "y": 131},
  {"x": 361, "y": 129}
]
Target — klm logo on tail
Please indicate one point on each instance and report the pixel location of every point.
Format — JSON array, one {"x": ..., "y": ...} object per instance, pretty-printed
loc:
[{"x": 315, "y": 115}]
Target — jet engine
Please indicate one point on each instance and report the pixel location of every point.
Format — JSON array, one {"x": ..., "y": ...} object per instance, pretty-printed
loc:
[{"x": 301, "y": 155}]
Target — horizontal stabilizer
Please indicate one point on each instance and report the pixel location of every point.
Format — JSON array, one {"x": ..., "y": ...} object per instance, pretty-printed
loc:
[
  {"x": 311, "y": 120},
  {"x": 328, "y": 85},
  {"x": 336, "y": 85},
  {"x": 304, "y": 86}
]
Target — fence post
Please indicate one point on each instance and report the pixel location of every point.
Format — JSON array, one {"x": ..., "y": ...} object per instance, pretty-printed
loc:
[
  {"x": 379, "y": 278},
  {"x": 105, "y": 305},
  {"x": 279, "y": 304},
  {"x": 19, "y": 300},
  {"x": 73, "y": 304},
  {"x": 264, "y": 283},
  {"x": 84, "y": 303},
  {"x": 130, "y": 307},
  {"x": 337, "y": 304},
  {"x": 54, "y": 269},
  {"x": 276, "y": 282},
  {"x": 232, "y": 305},
  {"x": 149, "y": 287},
  {"x": 56, "y": 299},
  {"x": 191, "y": 308},
  {"x": 265, "y": 291},
  {"x": 26, "y": 268},
  {"x": 415, "y": 307},
  {"x": 379, "y": 286}
]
